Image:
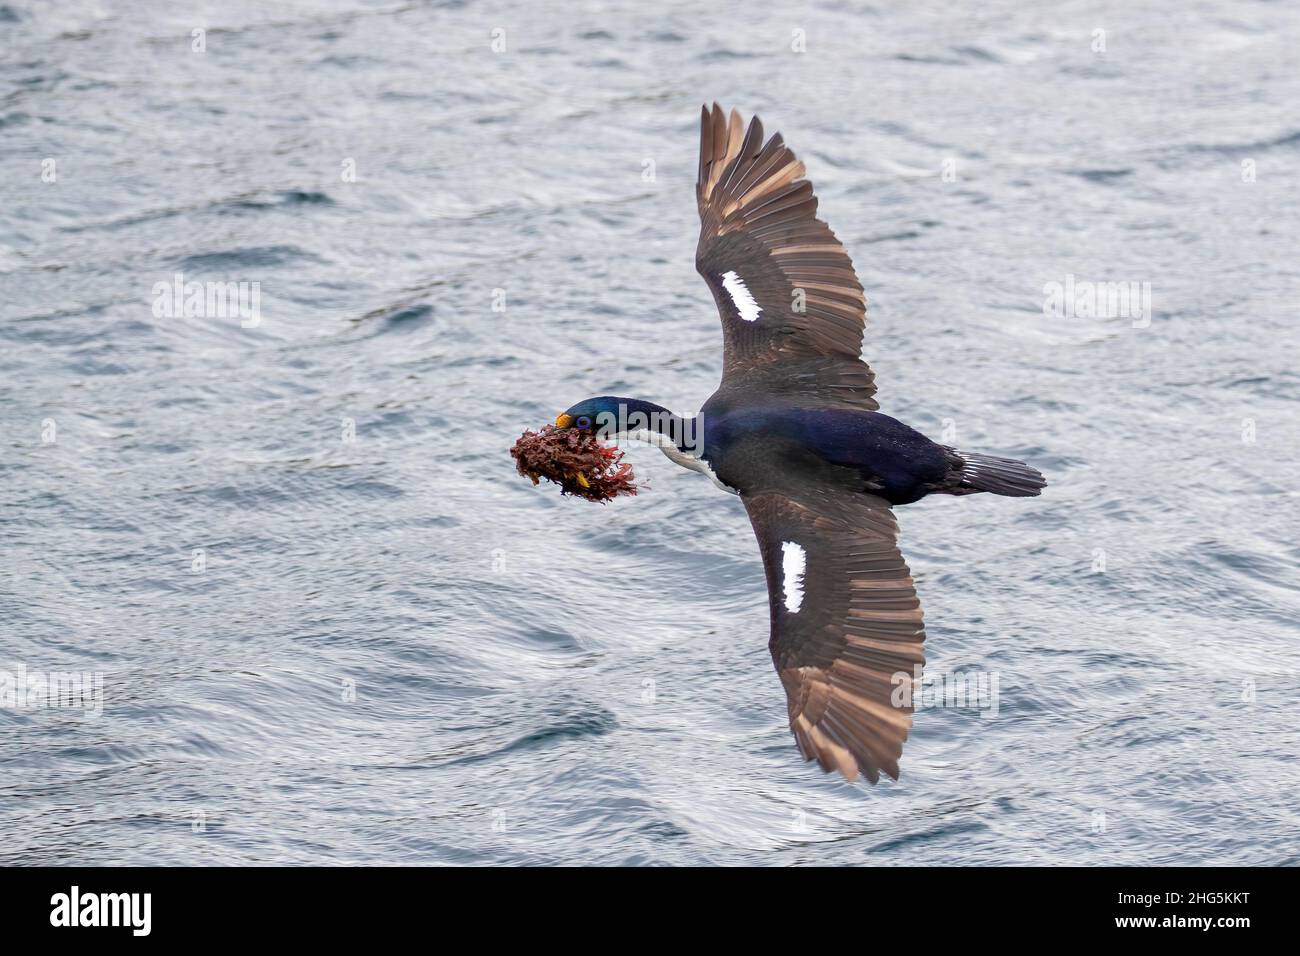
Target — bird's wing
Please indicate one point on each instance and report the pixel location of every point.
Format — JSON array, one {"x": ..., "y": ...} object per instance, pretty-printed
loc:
[
  {"x": 846, "y": 624},
  {"x": 791, "y": 305}
]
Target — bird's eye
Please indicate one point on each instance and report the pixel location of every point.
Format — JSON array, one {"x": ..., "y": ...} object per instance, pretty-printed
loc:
[{"x": 582, "y": 421}]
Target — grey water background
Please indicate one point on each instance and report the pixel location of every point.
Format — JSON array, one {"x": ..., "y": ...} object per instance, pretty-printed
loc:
[{"x": 399, "y": 651}]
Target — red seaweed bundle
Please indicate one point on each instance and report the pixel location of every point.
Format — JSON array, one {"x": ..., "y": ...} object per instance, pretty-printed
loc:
[{"x": 576, "y": 461}]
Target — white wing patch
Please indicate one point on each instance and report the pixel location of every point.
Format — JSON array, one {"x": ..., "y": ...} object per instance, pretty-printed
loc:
[
  {"x": 745, "y": 304},
  {"x": 793, "y": 562}
]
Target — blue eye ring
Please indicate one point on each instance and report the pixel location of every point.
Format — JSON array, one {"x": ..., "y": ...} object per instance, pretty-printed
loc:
[{"x": 582, "y": 421}]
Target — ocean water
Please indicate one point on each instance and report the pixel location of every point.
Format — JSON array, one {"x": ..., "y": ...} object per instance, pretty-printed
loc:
[{"x": 329, "y": 622}]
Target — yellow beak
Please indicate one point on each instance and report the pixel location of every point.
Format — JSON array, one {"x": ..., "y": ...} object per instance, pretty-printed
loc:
[{"x": 563, "y": 421}]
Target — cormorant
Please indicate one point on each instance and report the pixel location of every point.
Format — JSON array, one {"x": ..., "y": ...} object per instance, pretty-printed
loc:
[{"x": 794, "y": 430}]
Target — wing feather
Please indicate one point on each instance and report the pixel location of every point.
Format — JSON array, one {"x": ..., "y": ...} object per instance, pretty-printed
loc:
[
  {"x": 758, "y": 220},
  {"x": 850, "y": 653}
]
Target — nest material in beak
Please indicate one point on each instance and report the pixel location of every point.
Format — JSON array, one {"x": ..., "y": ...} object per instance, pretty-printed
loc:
[{"x": 574, "y": 460}]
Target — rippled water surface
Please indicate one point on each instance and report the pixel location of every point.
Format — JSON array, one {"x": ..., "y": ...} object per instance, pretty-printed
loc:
[{"x": 393, "y": 649}]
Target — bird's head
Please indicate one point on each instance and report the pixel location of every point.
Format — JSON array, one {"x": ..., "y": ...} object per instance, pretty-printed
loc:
[{"x": 591, "y": 414}]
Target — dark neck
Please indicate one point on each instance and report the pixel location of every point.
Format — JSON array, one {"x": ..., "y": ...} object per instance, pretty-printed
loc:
[{"x": 641, "y": 414}]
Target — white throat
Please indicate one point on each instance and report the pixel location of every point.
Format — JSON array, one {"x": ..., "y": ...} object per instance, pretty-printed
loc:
[{"x": 677, "y": 456}]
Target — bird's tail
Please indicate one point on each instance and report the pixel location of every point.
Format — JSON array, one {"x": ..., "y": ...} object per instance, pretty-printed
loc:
[{"x": 999, "y": 476}]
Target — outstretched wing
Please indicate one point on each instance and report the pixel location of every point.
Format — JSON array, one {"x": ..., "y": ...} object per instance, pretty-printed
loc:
[
  {"x": 791, "y": 305},
  {"x": 846, "y": 624}
]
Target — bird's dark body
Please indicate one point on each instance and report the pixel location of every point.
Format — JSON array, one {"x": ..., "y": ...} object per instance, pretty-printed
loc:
[{"x": 746, "y": 447}]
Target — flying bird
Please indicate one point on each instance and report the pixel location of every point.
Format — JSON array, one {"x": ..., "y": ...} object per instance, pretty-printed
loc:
[{"x": 794, "y": 429}]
